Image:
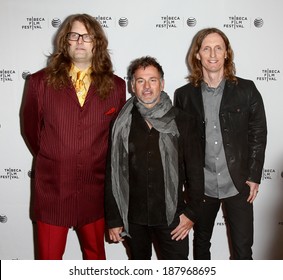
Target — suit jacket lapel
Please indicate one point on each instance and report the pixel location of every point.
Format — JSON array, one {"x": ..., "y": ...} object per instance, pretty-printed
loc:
[
  {"x": 227, "y": 93},
  {"x": 70, "y": 91},
  {"x": 198, "y": 102},
  {"x": 91, "y": 93}
]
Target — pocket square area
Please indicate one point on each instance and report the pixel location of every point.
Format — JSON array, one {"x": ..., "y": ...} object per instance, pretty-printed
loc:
[{"x": 111, "y": 111}]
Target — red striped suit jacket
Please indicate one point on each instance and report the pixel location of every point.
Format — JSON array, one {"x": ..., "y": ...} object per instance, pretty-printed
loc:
[{"x": 69, "y": 144}]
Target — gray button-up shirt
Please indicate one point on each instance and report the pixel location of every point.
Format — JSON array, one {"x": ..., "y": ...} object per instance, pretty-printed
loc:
[{"x": 218, "y": 182}]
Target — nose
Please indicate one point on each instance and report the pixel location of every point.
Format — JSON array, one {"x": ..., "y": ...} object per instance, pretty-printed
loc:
[
  {"x": 80, "y": 39},
  {"x": 212, "y": 53},
  {"x": 147, "y": 84}
]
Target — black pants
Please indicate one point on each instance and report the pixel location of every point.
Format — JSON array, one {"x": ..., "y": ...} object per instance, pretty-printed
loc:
[
  {"x": 142, "y": 237},
  {"x": 238, "y": 215}
]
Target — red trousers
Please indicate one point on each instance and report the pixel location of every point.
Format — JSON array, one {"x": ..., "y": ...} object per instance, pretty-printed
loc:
[{"x": 52, "y": 241}]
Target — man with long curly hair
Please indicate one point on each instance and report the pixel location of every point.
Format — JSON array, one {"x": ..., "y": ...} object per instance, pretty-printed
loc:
[
  {"x": 66, "y": 114},
  {"x": 232, "y": 125}
]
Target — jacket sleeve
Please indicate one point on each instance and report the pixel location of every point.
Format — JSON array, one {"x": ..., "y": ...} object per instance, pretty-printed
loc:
[
  {"x": 257, "y": 135},
  {"x": 112, "y": 215},
  {"x": 31, "y": 115},
  {"x": 177, "y": 101},
  {"x": 193, "y": 171}
]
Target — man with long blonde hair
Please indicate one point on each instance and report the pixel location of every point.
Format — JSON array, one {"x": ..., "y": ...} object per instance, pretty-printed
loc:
[{"x": 232, "y": 125}]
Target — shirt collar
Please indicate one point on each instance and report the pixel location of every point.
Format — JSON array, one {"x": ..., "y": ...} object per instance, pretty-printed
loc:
[
  {"x": 74, "y": 70},
  {"x": 204, "y": 86}
]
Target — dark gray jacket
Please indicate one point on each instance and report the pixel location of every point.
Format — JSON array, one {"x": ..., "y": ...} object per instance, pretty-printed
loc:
[{"x": 243, "y": 126}]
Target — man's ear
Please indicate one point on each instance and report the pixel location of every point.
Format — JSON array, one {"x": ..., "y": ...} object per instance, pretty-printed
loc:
[
  {"x": 133, "y": 87},
  {"x": 162, "y": 84}
]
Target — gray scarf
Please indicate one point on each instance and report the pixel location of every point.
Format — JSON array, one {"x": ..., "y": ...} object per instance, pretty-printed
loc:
[{"x": 168, "y": 145}]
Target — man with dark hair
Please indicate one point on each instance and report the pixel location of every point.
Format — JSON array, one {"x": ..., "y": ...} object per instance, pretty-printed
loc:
[
  {"x": 154, "y": 153},
  {"x": 232, "y": 125},
  {"x": 67, "y": 112}
]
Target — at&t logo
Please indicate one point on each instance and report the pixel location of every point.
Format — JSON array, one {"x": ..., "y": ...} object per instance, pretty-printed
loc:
[
  {"x": 3, "y": 219},
  {"x": 123, "y": 22},
  {"x": 191, "y": 22},
  {"x": 26, "y": 74},
  {"x": 56, "y": 22},
  {"x": 258, "y": 22}
]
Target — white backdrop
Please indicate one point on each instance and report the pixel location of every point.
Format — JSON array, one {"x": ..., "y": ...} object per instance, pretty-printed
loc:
[{"x": 163, "y": 29}]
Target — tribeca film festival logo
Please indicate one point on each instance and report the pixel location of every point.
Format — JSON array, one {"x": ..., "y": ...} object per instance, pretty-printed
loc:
[
  {"x": 236, "y": 22},
  {"x": 11, "y": 173},
  {"x": 168, "y": 22},
  {"x": 105, "y": 21},
  {"x": 7, "y": 75},
  {"x": 33, "y": 23},
  {"x": 268, "y": 75},
  {"x": 267, "y": 174}
]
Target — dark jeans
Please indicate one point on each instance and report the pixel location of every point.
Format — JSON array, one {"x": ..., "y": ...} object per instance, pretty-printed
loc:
[
  {"x": 238, "y": 215},
  {"x": 142, "y": 237}
]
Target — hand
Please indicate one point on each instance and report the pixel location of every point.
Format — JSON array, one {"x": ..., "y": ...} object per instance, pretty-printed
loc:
[
  {"x": 114, "y": 234},
  {"x": 182, "y": 230},
  {"x": 253, "y": 191}
]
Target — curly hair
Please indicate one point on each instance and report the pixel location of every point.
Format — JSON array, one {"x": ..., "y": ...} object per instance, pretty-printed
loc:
[
  {"x": 59, "y": 62},
  {"x": 144, "y": 62},
  {"x": 195, "y": 66}
]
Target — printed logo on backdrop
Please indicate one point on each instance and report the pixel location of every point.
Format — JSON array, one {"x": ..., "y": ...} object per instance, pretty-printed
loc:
[
  {"x": 10, "y": 174},
  {"x": 3, "y": 219},
  {"x": 235, "y": 22},
  {"x": 25, "y": 74},
  {"x": 123, "y": 22},
  {"x": 169, "y": 22},
  {"x": 191, "y": 22},
  {"x": 258, "y": 22},
  {"x": 56, "y": 22},
  {"x": 105, "y": 21},
  {"x": 268, "y": 174},
  {"x": 30, "y": 174},
  {"x": 268, "y": 75},
  {"x": 34, "y": 23},
  {"x": 7, "y": 75},
  {"x": 221, "y": 222}
]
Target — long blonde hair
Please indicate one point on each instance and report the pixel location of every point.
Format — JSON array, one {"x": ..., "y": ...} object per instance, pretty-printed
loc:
[{"x": 194, "y": 65}]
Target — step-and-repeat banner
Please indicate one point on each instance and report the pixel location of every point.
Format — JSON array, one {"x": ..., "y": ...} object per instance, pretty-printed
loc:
[{"x": 163, "y": 29}]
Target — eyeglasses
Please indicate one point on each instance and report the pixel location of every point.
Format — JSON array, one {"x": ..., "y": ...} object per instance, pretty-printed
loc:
[{"x": 74, "y": 36}]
